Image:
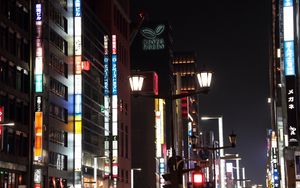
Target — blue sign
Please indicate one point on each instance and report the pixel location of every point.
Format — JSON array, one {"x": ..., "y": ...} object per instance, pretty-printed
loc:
[
  {"x": 289, "y": 59},
  {"x": 38, "y": 12},
  {"x": 106, "y": 89},
  {"x": 77, "y": 8},
  {"x": 114, "y": 74},
  {"x": 287, "y": 3},
  {"x": 78, "y": 104}
]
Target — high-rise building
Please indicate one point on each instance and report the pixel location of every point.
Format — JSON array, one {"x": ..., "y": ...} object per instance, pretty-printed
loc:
[
  {"x": 152, "y": 50},
  {"x": 114, "y": 15},
  {"x": 15, "y": 107},
  {"x": 94, "y": 36},
  {"x": 185, "y": 68},
  {"x": 283, "y": 166},
  {"x": 56, "y": 112}
]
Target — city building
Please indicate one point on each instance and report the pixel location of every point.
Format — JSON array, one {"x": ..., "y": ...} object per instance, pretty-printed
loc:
[
  {"x": 15, "y": 103},
  {"x": 95, "y": 44},
  {"x": 152, "y": 51},
  {"x": 54, "y": 82},
  {"x": 184, "y": 72},
  {"x": 114, "y": 15},
  {"x": 284, "y": 96}
]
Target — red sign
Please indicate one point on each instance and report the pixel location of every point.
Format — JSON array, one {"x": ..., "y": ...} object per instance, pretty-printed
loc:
[
  {"x": 37, "y": 185},
  {"x": 86, "y": 65},
  {"x": 1, "y": 114}
]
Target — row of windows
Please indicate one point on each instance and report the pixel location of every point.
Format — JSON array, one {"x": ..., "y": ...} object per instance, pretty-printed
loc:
[
  {"x": 15, "y": 110},
  {"x": 58, "y": 18},
  {"x": 123, "y": 141},
  {"x": 58, "y": 137},
  {"x": 16, "y": 12},
  {"x": 122, "y": 178},
  {"x": 58, "y": 112},
  {"x": 14, "y": 76},
  {"x": 58, "y": 88},
  {"x": 58, "y": 161},
  {"x": 59, "y": 65},
  {"x": 120, "y": 22},
  {"x": 14, "y": 142},
  {"x": 59, "y": 42},
  {"x": 92, "y": 115},
  {"x": 11, "y": 179},
  {"x": 57, "y": 182},
  {"x": 14, "y": 43}
]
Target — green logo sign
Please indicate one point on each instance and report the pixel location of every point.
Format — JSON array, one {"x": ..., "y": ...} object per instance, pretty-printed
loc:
[{"x": 151, "y": 40}]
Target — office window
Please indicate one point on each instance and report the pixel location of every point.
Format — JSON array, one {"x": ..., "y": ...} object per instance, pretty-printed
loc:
[
  {"x": 58, "y": 137},
  {"x": 3, "y": 71},
  {"x": 11, "y": 78},
  {"x": 11, "y": 42},
  {"x": 3, "y": 36},
  {"x": 58, "y": 88},
  {"x": 19, "y": 112},
  {"x": 11, "y": 109},
  {"x": 58, "y": 112},
  {"x": 59, "y": 65},
  {"x": 59, "y": 42},
  {"x": 58, "y": 161},
  {"x": 19, "y": 79}
]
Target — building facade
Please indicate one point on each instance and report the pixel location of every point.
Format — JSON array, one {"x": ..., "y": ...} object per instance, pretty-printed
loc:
[
  {"x": 15, "y": 87},
  {"x": 283, "y": 164}
]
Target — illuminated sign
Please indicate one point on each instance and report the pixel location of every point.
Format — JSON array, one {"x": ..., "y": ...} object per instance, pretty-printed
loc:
[
  {"x": 106, "y": 108},
  {"x": 38, "y": 71},
  {"x": 77, "y": 8},
  {"x": 38, "y": 147},
  {"x": 289, "y": 70},
  {"x": 151, "y": 39},
  {"x": 288, "y": 37},
  {"x": 291, "y": 110},
  {"x": 114, "y": 107},
  {"x": 1, "y": 114},
  {"x": 86, "y": 65},
  {"x": 289, "y": 59},
  {"x": 78, "y": 93},
  {"x": 38, "y": 12}
]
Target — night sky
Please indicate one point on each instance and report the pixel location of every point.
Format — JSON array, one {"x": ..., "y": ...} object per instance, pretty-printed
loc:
[{"x": 230, "y": 38}]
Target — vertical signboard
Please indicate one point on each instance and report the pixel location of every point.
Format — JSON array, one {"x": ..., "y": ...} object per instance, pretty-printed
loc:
[
  {"x": 38, "y": 74},
  {"x": 289, "y": 71},
  {"x": 38, "y": 88},
  {"x": 274, "y": 161},
  {"x": 106, "y": 108},
  {"x": 114, "y": 107},
  {"x": 38, "y": 70},
  {"x": 78, "y": 92}
]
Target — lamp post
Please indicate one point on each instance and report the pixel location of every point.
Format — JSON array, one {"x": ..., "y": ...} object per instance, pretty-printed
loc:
[
  {"x": 221, "y": 143},
  {"x": 132, "y": 175},
  {"x": 204, "y": 78},
  {"x": 232, "y": 141}
]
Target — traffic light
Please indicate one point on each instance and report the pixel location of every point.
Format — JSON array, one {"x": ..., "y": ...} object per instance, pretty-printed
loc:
[
  {"x": 198, "y": 178},
  {"x": 171, "y": 180}
]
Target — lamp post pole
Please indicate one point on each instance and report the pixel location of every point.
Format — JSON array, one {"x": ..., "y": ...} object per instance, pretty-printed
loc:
[
  {"x": 204, "y": 79},
  {"x": 132, "y": 175},
  {"x": 221, "y": 144}
]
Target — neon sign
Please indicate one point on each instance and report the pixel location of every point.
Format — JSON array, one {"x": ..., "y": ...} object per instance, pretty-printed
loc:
[{"x": 151, "y": 39}]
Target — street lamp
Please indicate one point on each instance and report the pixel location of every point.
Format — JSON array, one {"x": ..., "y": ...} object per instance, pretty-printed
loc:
[
  {"x": 136, "y": 83},
  {"x": 10, "y": 124},
  {"x": 132, "y": 173}
]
